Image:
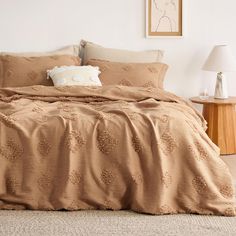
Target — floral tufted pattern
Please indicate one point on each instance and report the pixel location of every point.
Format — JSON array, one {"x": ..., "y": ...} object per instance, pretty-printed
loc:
[
  {"x": 17, "y": 71},
  {"x": 132, "y": 74},
  {"x": 108, "y": 148}
]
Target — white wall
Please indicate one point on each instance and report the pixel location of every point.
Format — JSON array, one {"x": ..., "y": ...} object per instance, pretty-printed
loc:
[{"x": 34, "y": 25}]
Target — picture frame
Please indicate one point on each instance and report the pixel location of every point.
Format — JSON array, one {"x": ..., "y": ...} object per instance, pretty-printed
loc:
[{"x": 164, "y": 18}]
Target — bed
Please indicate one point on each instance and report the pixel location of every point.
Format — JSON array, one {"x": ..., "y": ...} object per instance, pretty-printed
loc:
[{"x": 108, "y": 147}]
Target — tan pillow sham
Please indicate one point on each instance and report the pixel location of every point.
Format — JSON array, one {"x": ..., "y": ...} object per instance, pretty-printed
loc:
[
  {"x": 90, "y": 50},
  {"x": 131, "y": 74},
  {"x": 72, "y": 50},
  {"x": 18, "y": 71}
]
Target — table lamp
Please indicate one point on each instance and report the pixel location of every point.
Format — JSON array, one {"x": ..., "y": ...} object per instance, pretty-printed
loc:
[{"x": 220, "y": 60}]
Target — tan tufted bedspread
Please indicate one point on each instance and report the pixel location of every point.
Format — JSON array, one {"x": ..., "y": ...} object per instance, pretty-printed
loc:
[{"x": 111, "y": 147}]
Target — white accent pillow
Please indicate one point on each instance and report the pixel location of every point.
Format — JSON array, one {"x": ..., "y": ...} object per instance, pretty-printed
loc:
[{"x": 75, "y": 75}]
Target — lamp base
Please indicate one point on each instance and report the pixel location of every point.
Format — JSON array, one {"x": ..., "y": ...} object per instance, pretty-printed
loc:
[{"x": 221, "y": 87}]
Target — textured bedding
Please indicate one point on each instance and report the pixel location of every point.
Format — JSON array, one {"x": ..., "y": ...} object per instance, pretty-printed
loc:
[{"x": 111, "y": 147}]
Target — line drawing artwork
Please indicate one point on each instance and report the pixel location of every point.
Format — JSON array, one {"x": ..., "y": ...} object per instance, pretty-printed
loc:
[{"x": 165, "y": 16}]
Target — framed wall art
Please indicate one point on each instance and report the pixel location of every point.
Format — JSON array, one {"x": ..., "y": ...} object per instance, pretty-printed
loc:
[{"x": 164, "y": 18}]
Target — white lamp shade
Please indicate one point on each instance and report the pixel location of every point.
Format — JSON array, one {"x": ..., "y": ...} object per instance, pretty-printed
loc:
[{"x": 220, "y": 60}]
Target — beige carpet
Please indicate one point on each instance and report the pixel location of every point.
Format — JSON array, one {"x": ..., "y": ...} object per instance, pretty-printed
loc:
[{"x": 24, "y": 223}]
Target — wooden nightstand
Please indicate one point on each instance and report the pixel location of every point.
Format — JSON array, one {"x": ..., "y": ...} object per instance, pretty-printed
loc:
[{"x": 221, "y": 118}]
